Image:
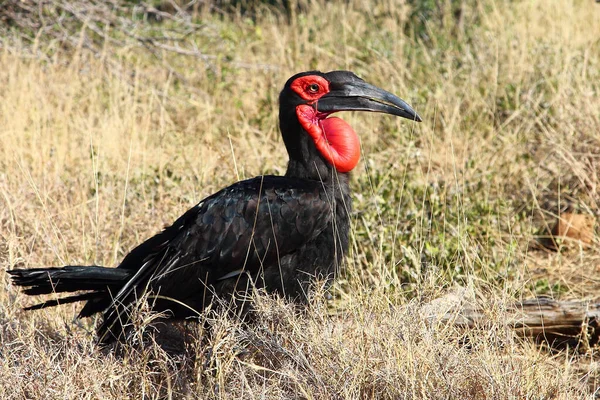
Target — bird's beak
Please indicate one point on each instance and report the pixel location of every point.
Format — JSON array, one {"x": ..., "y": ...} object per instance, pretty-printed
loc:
[{"x": 361, "y": 96}]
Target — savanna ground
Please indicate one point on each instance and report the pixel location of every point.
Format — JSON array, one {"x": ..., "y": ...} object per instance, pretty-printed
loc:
[{"x": 105, "y": 138}]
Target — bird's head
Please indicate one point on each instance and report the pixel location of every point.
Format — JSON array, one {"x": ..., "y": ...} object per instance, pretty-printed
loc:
[{"x": 309, "y": 98}]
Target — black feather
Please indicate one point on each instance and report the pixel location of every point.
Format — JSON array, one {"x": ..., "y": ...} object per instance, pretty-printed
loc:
[
  {"x": 67, "y": 279},
  {"x": 64, "y": 300}
]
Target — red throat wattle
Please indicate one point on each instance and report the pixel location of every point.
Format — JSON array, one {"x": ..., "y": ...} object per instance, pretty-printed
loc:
[{"x": 334, "y": 138}]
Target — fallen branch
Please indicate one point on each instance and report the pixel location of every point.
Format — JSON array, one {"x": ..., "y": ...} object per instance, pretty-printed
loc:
[{"x": 557, "y": 323}]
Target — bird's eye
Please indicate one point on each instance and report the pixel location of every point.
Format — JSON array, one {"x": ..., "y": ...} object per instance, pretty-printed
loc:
[{"x": 313, "y": 88}]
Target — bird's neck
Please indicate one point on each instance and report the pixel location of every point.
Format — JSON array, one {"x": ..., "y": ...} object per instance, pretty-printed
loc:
[
  {"x": 313, "y": 169},
  {"x": 309, "y": 164},
  {"x": 305, "y": 161}
]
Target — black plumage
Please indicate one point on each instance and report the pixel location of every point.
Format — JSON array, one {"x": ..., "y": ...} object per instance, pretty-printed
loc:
[{"x": 272, "y": 232}]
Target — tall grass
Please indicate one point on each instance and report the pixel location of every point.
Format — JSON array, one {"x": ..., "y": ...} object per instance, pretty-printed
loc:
[{"x": 100, "y": 151}]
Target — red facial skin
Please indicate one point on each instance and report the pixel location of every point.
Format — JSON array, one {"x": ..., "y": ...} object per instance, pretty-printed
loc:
[
  {"x": 337, "y": 142},
  {"x": 305, "y": 89}
]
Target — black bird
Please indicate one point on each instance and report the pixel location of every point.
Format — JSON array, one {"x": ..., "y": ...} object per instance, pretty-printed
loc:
[{"x": 271, "y": 232}]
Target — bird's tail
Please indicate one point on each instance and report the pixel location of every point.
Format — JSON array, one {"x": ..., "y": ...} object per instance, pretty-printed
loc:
[{"x": 98, "y": 282}]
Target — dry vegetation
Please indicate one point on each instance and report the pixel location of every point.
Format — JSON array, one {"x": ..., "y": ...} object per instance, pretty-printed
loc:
[{"x": 104, "y": 140}]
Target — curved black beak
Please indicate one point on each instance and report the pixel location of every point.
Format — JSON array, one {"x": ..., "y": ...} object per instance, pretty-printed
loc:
[{"x": 361, "y": 96}]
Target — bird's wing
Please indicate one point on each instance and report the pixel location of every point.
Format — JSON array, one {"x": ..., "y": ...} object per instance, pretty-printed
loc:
[{"x": 242, "y": 227}]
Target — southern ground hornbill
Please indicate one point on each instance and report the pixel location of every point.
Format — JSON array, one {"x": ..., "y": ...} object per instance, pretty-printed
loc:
[{"x": 271, "y": 232}]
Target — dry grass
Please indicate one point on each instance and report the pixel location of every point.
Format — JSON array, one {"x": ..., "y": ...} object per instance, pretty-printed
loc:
[{"x": 94, "y": 160}]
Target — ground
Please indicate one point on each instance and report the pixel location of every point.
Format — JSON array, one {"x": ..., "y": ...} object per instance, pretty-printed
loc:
[{"x": 107, "y": 136}]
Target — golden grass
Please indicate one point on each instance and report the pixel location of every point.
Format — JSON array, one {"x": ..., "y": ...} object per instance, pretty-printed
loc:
[{"x": 94, "y": 160}]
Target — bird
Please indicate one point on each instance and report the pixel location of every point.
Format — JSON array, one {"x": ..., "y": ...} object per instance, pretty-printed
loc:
[{"x": 276, "y": 233}]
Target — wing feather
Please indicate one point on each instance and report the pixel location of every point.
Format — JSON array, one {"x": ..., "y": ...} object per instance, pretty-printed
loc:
[{"x": 242, "y": 228}]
